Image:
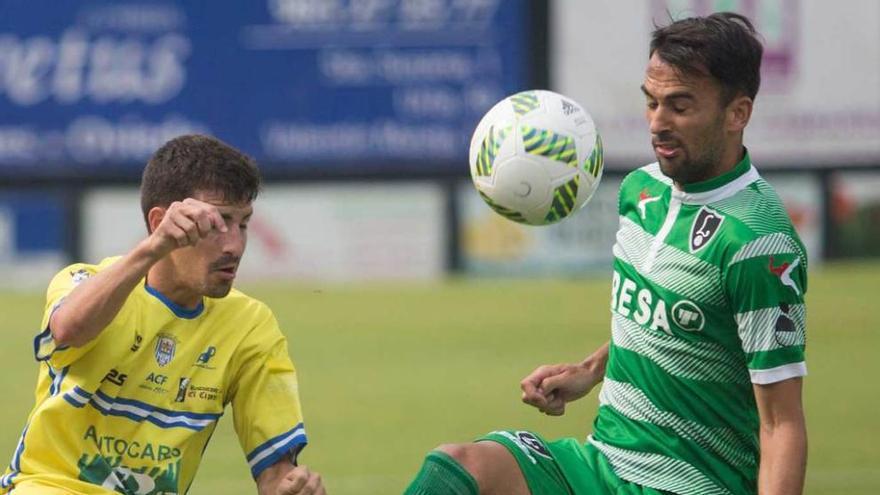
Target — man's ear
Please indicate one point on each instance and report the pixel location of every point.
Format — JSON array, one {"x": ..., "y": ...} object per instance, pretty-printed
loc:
[
  {"x": 739, "y": 111},
  {"x": 154, "y": 217}
]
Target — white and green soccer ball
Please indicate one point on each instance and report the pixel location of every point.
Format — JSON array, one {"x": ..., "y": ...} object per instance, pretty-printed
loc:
[{"x": 536, "y": 157}]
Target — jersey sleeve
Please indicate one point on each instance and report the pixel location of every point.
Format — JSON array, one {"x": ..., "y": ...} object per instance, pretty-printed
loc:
[
  {"x": 265, "y": 399},
  {"x": 45, "y": 347},
  {"x": 765, "y": 283}
]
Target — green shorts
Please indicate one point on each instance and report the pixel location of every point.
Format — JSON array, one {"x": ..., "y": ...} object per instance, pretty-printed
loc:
[{"x": 564, "y": 466}]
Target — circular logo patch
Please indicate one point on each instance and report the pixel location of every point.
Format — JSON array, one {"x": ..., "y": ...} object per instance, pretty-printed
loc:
[{"x": 688, "y": 316}]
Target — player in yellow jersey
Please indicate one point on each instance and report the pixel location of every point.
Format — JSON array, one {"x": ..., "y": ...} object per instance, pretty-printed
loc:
[{"x": 140, "y": 354}]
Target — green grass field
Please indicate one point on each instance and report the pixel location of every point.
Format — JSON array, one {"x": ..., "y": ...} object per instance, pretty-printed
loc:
[{"x": 389, "y": 371}]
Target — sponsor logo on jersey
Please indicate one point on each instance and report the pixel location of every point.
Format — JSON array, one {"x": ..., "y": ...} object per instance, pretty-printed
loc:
[
  {"x": 203, "y": 393},
  {"x": 115, "y": 377},
  {"x": 704, "y": 228},
  {"x": 644, "y": 199},
  {"x": 155, "y": 382},
  {"x": 181, "y": 389},
  {"x": 646, "y": 309},
  {"x": 138, "y": 340},
  {"x": 165, "y": 347},
  {"x": 783, "y": 271},
  {"x": 688, "y": 316},
  {"x": 157, "y": 378},
  {"x": 110, "y": 469},
  {"x": 786, "y": 331}
]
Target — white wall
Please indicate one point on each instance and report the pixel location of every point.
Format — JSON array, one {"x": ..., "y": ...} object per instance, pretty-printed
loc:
[
  {"x": 819, "y": 102},
  {"x": 327, "y": 232}
]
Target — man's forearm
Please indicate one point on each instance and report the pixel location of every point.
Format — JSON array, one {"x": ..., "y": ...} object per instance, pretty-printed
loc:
[
  {"x": 598, "y": 360},
  {"x": 91, "y": 306},
  {"x": 783, "y": 459}
]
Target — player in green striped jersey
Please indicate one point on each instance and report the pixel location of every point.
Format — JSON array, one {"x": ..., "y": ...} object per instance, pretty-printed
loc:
[{"x": 701, "y": 381}]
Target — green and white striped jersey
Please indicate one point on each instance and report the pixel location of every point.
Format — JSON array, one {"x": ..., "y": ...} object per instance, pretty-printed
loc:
[{"x": 707, "y": 299}]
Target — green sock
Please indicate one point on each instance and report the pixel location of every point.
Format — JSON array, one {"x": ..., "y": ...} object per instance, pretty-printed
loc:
[{"x": 442, "y": 475}]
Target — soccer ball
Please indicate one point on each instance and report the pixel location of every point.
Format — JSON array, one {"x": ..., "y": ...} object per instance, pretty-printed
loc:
[{"x": 536, "y": 157}]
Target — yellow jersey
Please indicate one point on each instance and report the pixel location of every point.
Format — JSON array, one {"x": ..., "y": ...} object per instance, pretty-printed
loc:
[{"x": 132, "y": 411}]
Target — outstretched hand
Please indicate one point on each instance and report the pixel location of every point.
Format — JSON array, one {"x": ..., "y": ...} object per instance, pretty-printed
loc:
[
  {"x": 550, "y": 387},
  {"x": 301, "y": 481}
]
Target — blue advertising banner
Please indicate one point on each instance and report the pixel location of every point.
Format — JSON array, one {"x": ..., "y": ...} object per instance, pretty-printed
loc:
[{"x": 93, "y": 87}]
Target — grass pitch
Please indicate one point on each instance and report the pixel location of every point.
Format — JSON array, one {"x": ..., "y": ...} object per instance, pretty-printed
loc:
[{"x": 389, "y": 371}]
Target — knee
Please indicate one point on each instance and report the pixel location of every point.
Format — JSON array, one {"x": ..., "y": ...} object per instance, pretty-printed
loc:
[
  {"x": 470, "y": 458},
  {"x": 461, "y": 452},
  {"x": 493, "y": 468}
]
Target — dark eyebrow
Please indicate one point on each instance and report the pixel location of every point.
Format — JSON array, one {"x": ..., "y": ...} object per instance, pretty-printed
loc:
[
  {"x": 678, "y": 95},
  {"x": 227, "y": 215}
]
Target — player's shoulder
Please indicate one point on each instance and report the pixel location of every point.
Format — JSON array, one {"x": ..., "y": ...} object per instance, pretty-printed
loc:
[
  {"x": 247, "y": 309},
  {"x": 647, "y": 179},
  {"x": 75, "y": 273},
  {"x": 758, "y": 223},
  {"x": 755, "y": 210}
]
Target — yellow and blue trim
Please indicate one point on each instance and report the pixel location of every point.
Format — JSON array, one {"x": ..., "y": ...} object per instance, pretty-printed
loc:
[
  {"x": 178, "y": 310},
  {"x": 289, "y": 443},
  {"x": 140, "y": 411},
  {"x": 57, "y": 379},
  {"x": 15, "y": 466}
]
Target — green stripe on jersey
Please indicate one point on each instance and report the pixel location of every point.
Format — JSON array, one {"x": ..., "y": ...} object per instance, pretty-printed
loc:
[
  {"x": 659, "y": 471},
  {"x": 704, "y": 361},
  {"x": 685, "y": 396},
  {"x": 632, "y": 403}
]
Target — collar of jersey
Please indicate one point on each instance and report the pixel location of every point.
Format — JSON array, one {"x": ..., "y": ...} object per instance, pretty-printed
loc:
[
  {"x": 721, "y": 187},
  {"x": 178, "y": 310}
]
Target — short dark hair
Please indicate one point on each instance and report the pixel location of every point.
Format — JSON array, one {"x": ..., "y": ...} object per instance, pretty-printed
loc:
[
  {"x": 723, "y": 45},
  {"x": 195, "y": 163}
]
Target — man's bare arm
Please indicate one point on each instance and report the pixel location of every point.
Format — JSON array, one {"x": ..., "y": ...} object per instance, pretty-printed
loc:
[
  {"x": 92, "y": 305},
  {"x": 783, "y": 435}
]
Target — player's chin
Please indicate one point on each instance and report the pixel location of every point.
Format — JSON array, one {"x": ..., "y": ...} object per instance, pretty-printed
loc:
[
  {"x": 218, "y": 289},
  {"x": 671, "y": 167}
]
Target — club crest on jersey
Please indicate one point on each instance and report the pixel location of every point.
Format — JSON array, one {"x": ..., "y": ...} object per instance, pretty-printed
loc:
[
  {"x": 165, "y": 347},
  {"x": 704, "y": 228}
]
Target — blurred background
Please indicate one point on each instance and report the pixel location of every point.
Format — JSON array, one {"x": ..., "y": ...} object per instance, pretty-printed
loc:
[{"x": 412, "y": 309}]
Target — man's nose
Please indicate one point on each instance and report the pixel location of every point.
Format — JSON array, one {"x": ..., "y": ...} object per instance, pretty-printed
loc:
[{"x": 659, "y": 121}]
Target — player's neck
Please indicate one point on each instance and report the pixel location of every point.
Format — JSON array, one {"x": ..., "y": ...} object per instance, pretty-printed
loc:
[
  {"x": 164, "y": 278},
  {"x": 731, "y": 157}
]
